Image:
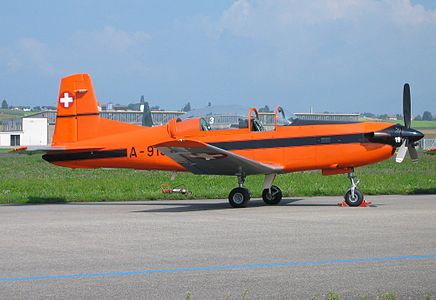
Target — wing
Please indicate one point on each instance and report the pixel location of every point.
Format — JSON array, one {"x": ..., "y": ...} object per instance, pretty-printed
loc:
[{"x": 201, "y": 158}]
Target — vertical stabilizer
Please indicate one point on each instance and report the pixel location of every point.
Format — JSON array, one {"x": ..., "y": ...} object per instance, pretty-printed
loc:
[{"x": 77, "y": 111}]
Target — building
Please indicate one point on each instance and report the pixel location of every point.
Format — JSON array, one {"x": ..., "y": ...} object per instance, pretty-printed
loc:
[
  {"x": 38, "y": 129},
  {"x": 25, "y": 131},
  {"x": 327, "y": 117}
]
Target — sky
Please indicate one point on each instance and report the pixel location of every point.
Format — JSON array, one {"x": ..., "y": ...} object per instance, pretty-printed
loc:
[{"x": 333, "y": 55}]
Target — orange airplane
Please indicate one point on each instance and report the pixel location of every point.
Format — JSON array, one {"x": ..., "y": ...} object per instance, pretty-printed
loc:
[{"x": 82, "y": 139}]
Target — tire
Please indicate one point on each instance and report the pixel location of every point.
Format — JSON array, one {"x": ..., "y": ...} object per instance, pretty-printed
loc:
[
  {"x": 358, "y": 198},
  {"x": 274, "y": 197},
  {"x": 239, "y": 197}
]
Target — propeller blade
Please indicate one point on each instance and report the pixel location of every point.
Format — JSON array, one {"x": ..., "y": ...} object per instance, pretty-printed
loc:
[
  {"x": 413, "y": 153},
  {"x": 407, "y": 115},
  {"x": 401, "y": 153}
]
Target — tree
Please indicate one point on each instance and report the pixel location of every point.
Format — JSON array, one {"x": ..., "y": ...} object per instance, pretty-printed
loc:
[
  {"x": 187, "y": 107},
  {"x": 418, "y": 118},
  {"x": 146, "y": 116},
  {"x": 426, "y": 116},
  {"x": 132, "y": 106},
  {"x": 265, "y": 109},
  {"x": 5, "y": 104},
  {"x": 368, "y": 114}
]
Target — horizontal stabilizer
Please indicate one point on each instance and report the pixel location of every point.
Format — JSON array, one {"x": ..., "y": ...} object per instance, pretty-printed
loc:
[{"x": 45, "y": 149}]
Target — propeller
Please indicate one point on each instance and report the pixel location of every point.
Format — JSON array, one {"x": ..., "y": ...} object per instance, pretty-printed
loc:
[
  {"x": 407, "y": 114},
  {"x": 408, "y": 135},
  {"x": 399, "y": 136}
]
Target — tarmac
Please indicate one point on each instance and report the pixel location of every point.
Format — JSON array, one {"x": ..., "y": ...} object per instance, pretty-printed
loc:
[{"x": 203, "y": 249}]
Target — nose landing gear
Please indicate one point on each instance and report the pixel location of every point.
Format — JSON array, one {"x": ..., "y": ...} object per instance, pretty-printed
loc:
[{"x": 353, "y": 197}]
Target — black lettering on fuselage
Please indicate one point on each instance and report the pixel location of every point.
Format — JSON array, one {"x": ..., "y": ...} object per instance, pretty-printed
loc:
[{"x": 133, "y": 153}]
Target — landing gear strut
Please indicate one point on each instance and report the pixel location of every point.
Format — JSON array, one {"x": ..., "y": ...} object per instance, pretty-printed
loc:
[
  {"x": 353, "y": 197},
  {"x": 239, "y": 196},
  {"x": 271, "y": 195}
]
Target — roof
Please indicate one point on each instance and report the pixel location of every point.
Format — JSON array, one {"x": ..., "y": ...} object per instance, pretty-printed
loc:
[{"x": 326, "y": 114}]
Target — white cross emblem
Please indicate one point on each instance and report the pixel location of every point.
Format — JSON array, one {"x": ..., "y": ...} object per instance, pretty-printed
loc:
[{"x": 66, "y": 100}]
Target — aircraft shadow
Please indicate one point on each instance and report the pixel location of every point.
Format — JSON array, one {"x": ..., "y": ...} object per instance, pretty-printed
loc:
[
  {"x": 165, "y": 207},
  {"x": 195, "y": 206},
  {"x": 39, "y": 201},
  {"x": 424, "y": 191}
]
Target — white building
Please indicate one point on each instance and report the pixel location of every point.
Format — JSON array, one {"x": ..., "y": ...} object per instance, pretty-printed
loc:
[
  {"x": 32, "y": 132},
  {"x": 327, "y": 117}
]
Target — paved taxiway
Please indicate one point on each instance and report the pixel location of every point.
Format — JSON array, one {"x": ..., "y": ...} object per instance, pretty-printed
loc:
[{"x": 164, "y": 249}]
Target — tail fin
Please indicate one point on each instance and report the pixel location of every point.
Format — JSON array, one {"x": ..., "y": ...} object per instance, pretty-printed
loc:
[
  {"x": 78, "y": 118},
  {"x": 77, "y": 109}
]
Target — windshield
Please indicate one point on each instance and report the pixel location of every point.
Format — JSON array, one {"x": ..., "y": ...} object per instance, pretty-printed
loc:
[
  {"x": 281, "y": 119},
  {"x": 222, "y": 116}
]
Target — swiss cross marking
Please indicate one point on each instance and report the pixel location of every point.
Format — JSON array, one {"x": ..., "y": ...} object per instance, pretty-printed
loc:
[{"x": 66, "y": 100}]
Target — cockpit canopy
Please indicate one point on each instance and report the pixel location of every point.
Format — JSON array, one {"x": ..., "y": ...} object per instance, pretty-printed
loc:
[{"x": 216, "y": 119}]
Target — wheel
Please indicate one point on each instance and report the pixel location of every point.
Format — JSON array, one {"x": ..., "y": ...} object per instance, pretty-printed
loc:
[
  {"x": 239, "y": 197},
  {"x": 272, "y": 198},
  {"x": 356, "y": 201}
]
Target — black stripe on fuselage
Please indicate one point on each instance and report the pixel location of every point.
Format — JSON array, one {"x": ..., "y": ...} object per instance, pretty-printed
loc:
[
  {"x": 69, "y": 156},
  {"x": 293, "y": 142},
  {"x": 233, "y": 145},
  {"x": 78, "y": 115}
]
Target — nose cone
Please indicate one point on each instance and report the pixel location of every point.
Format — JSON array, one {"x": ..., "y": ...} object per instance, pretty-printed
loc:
[
  {"x": 395, "y": 135},
  {"x": 412, "y": 134}
]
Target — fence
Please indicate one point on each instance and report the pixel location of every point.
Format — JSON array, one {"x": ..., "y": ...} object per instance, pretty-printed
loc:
[{"x": 427, "y": 144}]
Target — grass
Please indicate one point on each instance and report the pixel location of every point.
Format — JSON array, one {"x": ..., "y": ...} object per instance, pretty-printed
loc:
[
  {"x": 11, "y": 114},
  {"x": 424, "y": 124},
  {"x": 416, "y": 124},
  {"x": 331, "y": 295},
  {"x": 29, "y": 179},
  {"x": 429, "y": 133}
]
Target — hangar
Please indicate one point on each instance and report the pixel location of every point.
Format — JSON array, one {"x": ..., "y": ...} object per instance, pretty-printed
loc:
[{"x": 37, "y": 129}]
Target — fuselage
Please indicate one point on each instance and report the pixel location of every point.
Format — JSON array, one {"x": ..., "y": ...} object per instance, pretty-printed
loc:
[{"x": 329, "y": 147}]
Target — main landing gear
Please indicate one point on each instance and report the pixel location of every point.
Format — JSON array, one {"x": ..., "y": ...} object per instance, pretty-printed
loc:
[
  {"x": 239, "y": 196},
  {"x": 271, "y": 195},
  {"x": 353, "y": 197}
]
